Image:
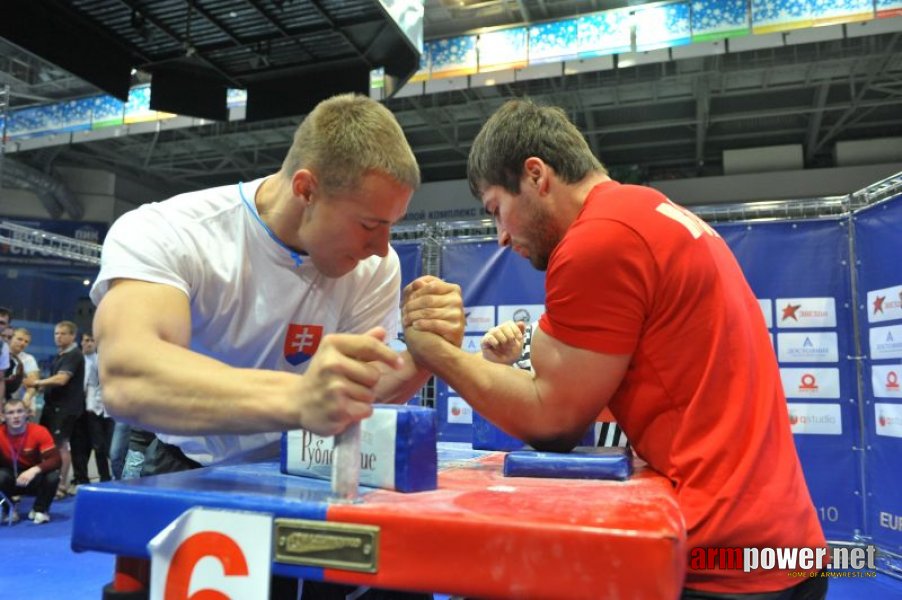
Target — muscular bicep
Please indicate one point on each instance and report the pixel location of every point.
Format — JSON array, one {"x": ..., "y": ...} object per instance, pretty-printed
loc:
[
  {"x": 573, "y": 384},
  {"x": 134, "y": 312}
]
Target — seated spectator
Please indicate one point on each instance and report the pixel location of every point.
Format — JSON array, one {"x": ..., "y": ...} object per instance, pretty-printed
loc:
[{"x": 29, "y": 461}]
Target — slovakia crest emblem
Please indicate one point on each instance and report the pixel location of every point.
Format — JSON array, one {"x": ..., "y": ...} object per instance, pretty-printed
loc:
[{"x": 301, "y": 342}]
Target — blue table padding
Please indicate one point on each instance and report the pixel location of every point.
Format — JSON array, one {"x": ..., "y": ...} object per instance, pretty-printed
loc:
[
  {"x": 581, "y": 463},
  {"x": 144, "y": 507},
  {"x": 415, "y": 459}
]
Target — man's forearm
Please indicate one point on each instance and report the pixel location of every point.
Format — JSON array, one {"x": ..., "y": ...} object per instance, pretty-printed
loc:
[
  {"x": 397, "y": 387},
  {"x": 507, "y": 397},
  {"x": 60, "y": 379},
  {"x": 182, "y": 392}
]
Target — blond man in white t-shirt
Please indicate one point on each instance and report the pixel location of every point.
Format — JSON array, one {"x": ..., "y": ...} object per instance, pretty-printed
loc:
[{"x": 229, "y": 315}]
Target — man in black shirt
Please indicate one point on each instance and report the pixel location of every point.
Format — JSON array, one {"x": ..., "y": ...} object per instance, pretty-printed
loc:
[{"x": 64, "y": 394}]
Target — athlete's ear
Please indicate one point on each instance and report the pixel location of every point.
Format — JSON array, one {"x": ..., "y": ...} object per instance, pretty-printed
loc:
[
  {"x": 303, "y": 184},
  {"x": 536, "y": 172}
]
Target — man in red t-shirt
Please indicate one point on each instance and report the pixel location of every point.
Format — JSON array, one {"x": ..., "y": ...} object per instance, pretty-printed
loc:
[
  {"x": 29, "y": 460},
  {"x": 647, "y": 303}
]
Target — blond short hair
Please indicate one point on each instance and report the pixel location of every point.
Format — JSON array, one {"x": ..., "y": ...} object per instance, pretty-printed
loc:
[
  {"x": 345, "y": 137},
  {"x": 72, "y": 327}
]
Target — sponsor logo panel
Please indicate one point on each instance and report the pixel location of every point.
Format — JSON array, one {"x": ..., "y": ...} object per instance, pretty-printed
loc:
[
  {"x": 480, "y": 318},
  {"x": 885, "y": 304},
  {"x": 805, "y": 313},
  {"x": 808, "y": 347},
  {"x": 819, "y": 419},
  {"x": 767, "y": 309},
  {"x": 810, "y": 383},
  {"x": 520, "y": 312},
  {"x": 886, "y": 342},
  {"x": 459, "y": 411},
  {"x": 885, "y": 381},
  {"x": 888, "y": 419}
]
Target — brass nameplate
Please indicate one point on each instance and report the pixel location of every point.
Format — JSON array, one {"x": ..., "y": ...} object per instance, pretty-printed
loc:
[{"x": 323, "y": 544}]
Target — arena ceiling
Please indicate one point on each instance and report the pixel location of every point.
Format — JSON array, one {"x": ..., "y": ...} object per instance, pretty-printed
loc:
[{"x": 670, "y": 119}]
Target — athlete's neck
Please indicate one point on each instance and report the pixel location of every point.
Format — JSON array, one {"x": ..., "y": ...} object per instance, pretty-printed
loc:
[{"x": 280, "y": 210}]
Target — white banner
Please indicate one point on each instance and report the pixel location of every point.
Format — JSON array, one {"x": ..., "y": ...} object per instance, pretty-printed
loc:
[
  {"x": 886, "y": 381},
  {"x": 885, "y": 304},
  {"x": 810, "y": 383},
  {"x": 472, "y": 343},
  {"x": 805, "y": 313},
  {"x": 886, "y": 342},
  {"x": 823, "y": 419},
  {"x": 888, "y": 419},
  {"x": 809, "y": 347},
  {"x": 212, "y": 550},
  {"x": 767, "y": 309},
  {"x": 480, "y": 318},
  {"x": 520, "y": 312},
  {"x": 459, "y": 411}
]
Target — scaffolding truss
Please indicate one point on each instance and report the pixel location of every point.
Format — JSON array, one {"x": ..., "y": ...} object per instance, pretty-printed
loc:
[{"x": 49, "y": 244}]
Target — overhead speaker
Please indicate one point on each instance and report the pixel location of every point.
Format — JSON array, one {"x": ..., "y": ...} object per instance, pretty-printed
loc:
[
  {"x": 188, "y": 93},
  {"x": 300, "y": 93}
]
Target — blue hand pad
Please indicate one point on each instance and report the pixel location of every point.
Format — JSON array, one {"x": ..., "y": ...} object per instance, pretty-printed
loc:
[
  {"x": 397, "y": 450},
  {"x": 486, "y": 436},
  {"x": 581, "y": 463}
]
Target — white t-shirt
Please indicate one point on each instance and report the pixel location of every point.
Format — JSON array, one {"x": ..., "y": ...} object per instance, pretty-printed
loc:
[
  {"x": 93, "y": 391},
  {"x": 4, "y": 355},
  {"x": 252, "y": 306},
  {"x": 29, "y": 364}
]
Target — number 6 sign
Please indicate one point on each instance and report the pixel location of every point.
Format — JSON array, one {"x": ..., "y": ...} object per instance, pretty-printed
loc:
[{"x": 209, "y": 554}]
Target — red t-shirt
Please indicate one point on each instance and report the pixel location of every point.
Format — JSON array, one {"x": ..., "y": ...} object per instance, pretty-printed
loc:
[
  {"x": 702, "y": 401},
  {"x": 33, "y": 447}
]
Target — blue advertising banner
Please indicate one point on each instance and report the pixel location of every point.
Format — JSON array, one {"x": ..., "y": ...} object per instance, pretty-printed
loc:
[
  {"x": 411, "y": 258},
  {"x": 878, "y": 247},
  {"x": 85, "y": 231},
  {"x": 497, "y": 285},
  {"x": 800, "y": 273}
]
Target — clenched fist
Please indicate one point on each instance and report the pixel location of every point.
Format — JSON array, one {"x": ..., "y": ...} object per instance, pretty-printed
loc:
[{"x": 338, "y": 387}]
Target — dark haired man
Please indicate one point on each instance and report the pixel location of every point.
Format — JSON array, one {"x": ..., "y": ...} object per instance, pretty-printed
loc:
[{"x": 646, "y": 302}]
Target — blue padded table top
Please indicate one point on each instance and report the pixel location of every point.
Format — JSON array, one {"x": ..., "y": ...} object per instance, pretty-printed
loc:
[{"x": 587, "y": 532}]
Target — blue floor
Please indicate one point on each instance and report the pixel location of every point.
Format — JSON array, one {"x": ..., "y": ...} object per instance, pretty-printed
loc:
[{"x": 36, "y": 563}]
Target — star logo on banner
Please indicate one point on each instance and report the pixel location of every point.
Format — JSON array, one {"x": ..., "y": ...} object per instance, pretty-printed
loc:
[
  {"x": 878, "y": 304},
  {"x": 789, "y": 312}
]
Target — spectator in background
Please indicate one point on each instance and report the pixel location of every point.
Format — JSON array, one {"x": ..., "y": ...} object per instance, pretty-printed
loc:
[
  {"x": 119, "y": 448},
  {"x": 64, "y": 395},
  {"x": 95, "y": 426},
  {"x": 31, "y": 371},
  {"x": 6, "y": 316},
  {"x": 29, "y": 461}
]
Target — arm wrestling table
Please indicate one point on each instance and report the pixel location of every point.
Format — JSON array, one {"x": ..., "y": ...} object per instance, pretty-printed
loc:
[{"x": 480, "y": 534}]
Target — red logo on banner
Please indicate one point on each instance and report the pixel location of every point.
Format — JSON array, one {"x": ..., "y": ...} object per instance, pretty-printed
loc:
[
  {"x": 892, "y": 380},
  {"x": 878, "y": 304},
  {"x": 809, "y": 383},
  {"x": 793, "y": 419},
  {"x": 789, "y": 312}
]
